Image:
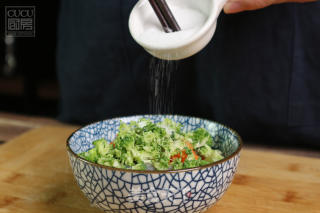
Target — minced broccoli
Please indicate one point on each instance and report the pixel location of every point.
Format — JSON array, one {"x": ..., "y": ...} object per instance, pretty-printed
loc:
[{"x": 144, "y": 145}]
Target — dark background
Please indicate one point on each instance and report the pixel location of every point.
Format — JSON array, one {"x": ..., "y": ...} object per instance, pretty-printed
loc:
[{"x": 30, "y": 87}]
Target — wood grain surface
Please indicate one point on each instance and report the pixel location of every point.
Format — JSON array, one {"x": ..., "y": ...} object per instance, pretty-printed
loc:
[
  {"x": 12, "y": 125},
  {"x": 35, "y": 177}
]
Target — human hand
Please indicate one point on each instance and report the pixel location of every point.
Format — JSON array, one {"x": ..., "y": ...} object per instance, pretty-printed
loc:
[{"x": 235, "y": 6}]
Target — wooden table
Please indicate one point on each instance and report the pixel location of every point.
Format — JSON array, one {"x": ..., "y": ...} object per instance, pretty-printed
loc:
[
  {"x": 13, "y": 125},
  {"x": 35, "y": 176}
]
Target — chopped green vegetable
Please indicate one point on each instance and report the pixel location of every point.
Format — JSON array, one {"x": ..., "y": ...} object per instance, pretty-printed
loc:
[
  {"x": 210, "y": 154},
  {"x": 144, "y": 145}
]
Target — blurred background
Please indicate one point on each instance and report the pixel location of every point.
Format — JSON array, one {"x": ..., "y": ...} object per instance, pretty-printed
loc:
[
  {"x": 28, "y": 83},
  {"x": 28, "y": 79}
]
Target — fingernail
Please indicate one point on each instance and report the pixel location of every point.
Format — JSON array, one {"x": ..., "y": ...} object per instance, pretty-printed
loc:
[{"x": 233, "y": 7}]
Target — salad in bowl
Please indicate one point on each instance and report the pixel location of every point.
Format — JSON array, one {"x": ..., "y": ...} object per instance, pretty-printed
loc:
[{"x": 144, "y": 145}]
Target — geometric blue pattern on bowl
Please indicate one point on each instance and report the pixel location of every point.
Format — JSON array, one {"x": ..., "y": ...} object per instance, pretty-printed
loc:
[{"x": 186, "y": 190}]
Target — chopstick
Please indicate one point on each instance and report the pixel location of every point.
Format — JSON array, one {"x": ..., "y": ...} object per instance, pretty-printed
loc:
[
  {"x": 165, "y": 16},
  {"x": 160, "y": 16},
  {"x": 168, "y": 15}
]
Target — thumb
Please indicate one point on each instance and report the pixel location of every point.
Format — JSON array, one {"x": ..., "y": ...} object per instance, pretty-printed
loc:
[{"x": 235, "y": 6}]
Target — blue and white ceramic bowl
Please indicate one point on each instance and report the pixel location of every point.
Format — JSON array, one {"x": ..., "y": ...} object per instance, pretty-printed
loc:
[{"x": 120, "y": 190}]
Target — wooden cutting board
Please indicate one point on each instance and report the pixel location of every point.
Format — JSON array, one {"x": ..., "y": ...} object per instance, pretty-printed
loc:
[{"x": 35, "y": 177}]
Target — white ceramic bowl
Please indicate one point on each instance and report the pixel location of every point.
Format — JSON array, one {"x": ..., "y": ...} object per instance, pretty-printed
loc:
[{"x": 185, "y": 47}]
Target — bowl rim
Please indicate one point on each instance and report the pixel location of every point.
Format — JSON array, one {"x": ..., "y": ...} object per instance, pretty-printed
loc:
[{"x": 240, "y": 145}]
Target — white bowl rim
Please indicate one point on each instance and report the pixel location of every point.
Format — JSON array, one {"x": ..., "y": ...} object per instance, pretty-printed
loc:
[{"x": 240, "y": 145}]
